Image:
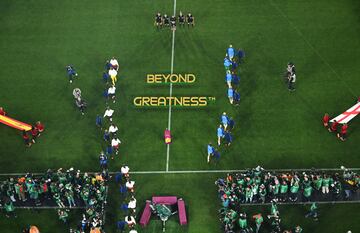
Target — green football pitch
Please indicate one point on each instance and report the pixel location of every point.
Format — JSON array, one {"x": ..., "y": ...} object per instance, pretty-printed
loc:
[{"x": 274, "y": 128}]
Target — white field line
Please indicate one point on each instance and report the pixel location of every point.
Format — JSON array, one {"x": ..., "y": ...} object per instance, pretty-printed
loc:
[
  {"x": 198, "y": 171},
  {"x": 104, "y": 204},
  {"x": 243, "y": 204},
  {"x": 231, "y": 171},
  {"x": 300, "y": 203},
  {"x": 170, "y": 91},
  {"x": 47, "y": 207}
]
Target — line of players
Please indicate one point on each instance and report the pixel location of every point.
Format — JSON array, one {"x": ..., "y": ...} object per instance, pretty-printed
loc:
[
  {"x": 223, "y": 133},
  {"x": 167, "y": 21},
  {"x": 231, "y": 62}
]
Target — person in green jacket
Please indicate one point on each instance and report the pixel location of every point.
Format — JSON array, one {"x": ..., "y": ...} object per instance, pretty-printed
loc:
[
  {"x": 283, "y": 191},
  {"x": 325, "y": 184},
  {"x": 262, "y": 193},
  {"x": 58, "y": 201},
  {"x": 243, "y": 221},
  {"x": 298, "y": 229},
  {"x": 9, "y": 209},
  {"x": 294, "y": 190},
  {"x": 313, "y": 211},
  {"x": 318, "y": 182},
  {"x": 307, "y": 193},
  {"x": 63, "y": 215},
  {"x": 258, "y": 221}
]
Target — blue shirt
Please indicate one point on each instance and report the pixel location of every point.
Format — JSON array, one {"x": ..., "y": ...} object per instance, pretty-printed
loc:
[
  {"x": 210, "y": 149},
  {"x": 224, "y": 119},
  {"x": 107, "y": 136},
  {"x": 70, "y": 70},
  {"x": 98, "y": 120},
  {"x": 227, "y": 63},
  {"x": 231, "y": 52},
  {"x": 236, "y": 96},
  {"x": 231, "y": 123},
  {"x": 106, "y": 76},
  {"x": 109, "y": 150},
  {"x": 228, "y": 77},
  {"x": 241, "y": 54},
  {"x": 220, "y": 132},
  {"x": 228, "y": 137},
  {"x": 230, "y": 92},
  {"x": 236, "y": 79}
]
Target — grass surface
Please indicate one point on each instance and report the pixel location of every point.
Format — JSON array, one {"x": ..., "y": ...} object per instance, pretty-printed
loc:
[{"x": 274, "y": 128}]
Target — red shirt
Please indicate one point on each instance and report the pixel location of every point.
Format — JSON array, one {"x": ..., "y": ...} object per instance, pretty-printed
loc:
[
  {"x": 344, "y": 129},
  {"x": 39, "y": 127},
  {"x": 34, "y": 132},
  {"x": 2, "y": 112},
  {"x": 326, "y": 118},
  {"x": 334, "y": 125}
]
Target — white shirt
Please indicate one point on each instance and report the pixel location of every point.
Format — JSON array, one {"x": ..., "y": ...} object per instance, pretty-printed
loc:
[
  {"x": 114, "y": 62},
  {"x": 111, "y": 90},
  {"x": 112, "y": 72},
  {"x": 125, "y": 170},
  {"x": 132, "y": 220},
  {"x": 132, "y": 204},
  {"x": 130, "y": 184},
  {"x": 293, "y": 76},
  {"x": 115, "y": 142},
  {"x": 134, "y": 231},
  {"x": 113, "y": 129},
  {"x": 108, "y": 113}
]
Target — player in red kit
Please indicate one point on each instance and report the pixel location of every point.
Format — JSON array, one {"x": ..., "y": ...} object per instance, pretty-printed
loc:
[
  {"x": 333, "y": 127},
  {"x": 40, "y": 127},
  {"x": 2, "y": 111},
  {"x": 26, "y": 139},
  {"x": 342, "y": 135},
  {"x": 34, "y": 133},
  {"x": 326, "y": 120}
]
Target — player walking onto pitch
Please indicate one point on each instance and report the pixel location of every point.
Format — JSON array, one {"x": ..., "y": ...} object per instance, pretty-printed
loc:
[
  {"x": 114, "y": 63},
  {"x": 190, "y": 19},
  {"x": 224, "y": 120},
  {"x": 173, "y": 22},
  {"x": 71, "y": 72},
  {"x": 326, "y": 119},
  {"x": 291, "y": 81},
  {"x": 313, "y": 212},
  {"x": 220, "y": 134},
  {"x": 230, "y": 94},
  {"x": 113, "y": 75},
  {"x": 342, "y": 134},
  {"x": 166, "y": 20},
  {"x": 210, "y": 151},
  {"x": 181, "y": 19},
  {"x": 158, "y": 20},
  {"x": 230, "y": 52}
]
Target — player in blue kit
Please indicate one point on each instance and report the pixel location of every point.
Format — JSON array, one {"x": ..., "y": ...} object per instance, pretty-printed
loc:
[
  {"x": 230, "y": 52},
  {"x": 210, "y": 151},
  {"x": 71, "y": 72},
  {"x": 228, "y": 79},
  {"x": 230, "y": 94},
  {"x": 227, "y": 63},
  {"x": 236, "y": 97},
  {"x": 224, "y": 120},
  {"x": 220, "y": 134}
]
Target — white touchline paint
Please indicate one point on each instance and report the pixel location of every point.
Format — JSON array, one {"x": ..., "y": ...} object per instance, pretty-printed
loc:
[
  {"x": 170, "y": 91},
  {"x": 197, "y": 171}
]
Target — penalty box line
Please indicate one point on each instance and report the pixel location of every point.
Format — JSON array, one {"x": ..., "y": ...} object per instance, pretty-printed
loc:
[{"x": 170, "y": 89}]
